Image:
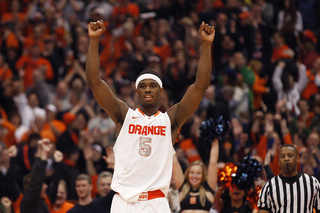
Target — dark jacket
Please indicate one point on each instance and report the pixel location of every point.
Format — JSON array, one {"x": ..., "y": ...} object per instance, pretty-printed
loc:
[{"x": 31, "y": 201}]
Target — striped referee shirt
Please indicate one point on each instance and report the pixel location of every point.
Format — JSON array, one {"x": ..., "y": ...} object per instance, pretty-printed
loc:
[{"x": 299, "y": 194}]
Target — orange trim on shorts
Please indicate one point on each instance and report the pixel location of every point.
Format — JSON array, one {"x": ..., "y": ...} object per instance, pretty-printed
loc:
[{"x": 150, "y": 195}]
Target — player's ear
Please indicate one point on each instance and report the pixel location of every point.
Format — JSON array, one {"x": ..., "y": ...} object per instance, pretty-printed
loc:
[{"x": 161, "y": 90}]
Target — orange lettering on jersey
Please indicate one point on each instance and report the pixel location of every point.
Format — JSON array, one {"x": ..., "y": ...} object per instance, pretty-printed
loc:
[
  {"x": 138, "y": 129},
  {"x": 144, "y": 130},
  {"x": 162, "y": 130},
  {"x": 156, "y": 130},
  {"x": 150, "y": 130},
  {"x": 131, "y": 128},
  {"x": 147, "y": 130}
]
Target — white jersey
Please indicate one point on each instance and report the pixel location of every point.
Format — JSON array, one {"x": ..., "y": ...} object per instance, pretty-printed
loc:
[{"x": 143, "y": 155}]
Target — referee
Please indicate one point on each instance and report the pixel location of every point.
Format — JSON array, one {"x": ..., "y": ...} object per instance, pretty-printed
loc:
[{"x": 291, "y": 191}]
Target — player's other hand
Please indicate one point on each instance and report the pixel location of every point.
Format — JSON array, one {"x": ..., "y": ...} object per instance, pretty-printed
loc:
[
  {"x": 96, "y": 29},
  {"x": 207, "y": 32}
]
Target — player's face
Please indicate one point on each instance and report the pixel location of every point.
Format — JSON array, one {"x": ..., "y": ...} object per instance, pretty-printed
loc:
[
  {"x": 148, "y": 92},
  {"x": 195, "y": 175},
  {"x": 288, "y": 160},
  {"x": 104, "y": 186},
  {"x": 83, "y": 188}
]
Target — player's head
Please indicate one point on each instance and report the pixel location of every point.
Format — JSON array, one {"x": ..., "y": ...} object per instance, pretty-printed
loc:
[
  {"x": 149, "y": 74},
  {"x": 196, "y": 173},
  {"x": 148, "y": 87},
  {"x": 288, "y": 159}
]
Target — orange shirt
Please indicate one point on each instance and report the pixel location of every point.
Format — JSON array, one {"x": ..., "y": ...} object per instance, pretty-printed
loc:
[
  {"x": 9, "y": 17},
  {"x": 311, "y": 87},
  {"x": 64, "y": 208},
  {"x": 259, "y": 89},
  {"x": 94, "y": 190},
  {"x": 191, "y": 150},
  {"x": 215, "y": 4},
  {"x": 283, "y": 52},
  {"x": 17, "y": 202},
  {"x": 129, "y": 9},
  {"x": 9, "y": 139},
  {"x": 5, "y": 73},
  {"x": 12, "y": 41},
  {"x": 164, "y": 52},
  {"x": 30, "y": 64}
]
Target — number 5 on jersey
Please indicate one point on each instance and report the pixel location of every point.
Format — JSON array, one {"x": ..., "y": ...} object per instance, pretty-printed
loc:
[{"x": 145, "y": 148}]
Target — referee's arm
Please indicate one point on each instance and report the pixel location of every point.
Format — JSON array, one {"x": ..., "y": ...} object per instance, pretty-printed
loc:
[{"x": 263, "y": 211}]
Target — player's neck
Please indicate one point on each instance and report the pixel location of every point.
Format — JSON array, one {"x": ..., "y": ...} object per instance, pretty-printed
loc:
[{"x": 149, "y": 111}]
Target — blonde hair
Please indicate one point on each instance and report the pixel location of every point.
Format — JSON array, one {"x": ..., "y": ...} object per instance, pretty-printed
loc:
[{"x": 187, "y": 186}]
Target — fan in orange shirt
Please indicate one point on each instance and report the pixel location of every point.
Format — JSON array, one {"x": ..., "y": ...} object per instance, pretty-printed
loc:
[
  {"x": 32, "y": 62},
  {"x": 14, "y": 15},
  {"x": 5, "y": 71},
  {"x": 281, "y": 50},
  {"x": 61, "y": 205}
]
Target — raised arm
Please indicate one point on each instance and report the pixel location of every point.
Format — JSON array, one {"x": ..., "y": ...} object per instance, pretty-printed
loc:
[
  {"x": 103, "y": 94},
  {"x": 177, "y": 173},
  {"x": 212, "y": 167},
  {"x": 276, "y": 78},
  {"x": 180, "y": 112}
]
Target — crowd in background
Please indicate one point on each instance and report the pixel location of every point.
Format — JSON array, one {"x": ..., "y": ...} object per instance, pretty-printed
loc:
[{"x": 265, "y": 80}]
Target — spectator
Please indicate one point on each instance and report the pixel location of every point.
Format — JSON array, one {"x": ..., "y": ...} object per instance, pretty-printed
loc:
[
  {"x": 290, "y": 23},
  {"x": 61, "y": 205},
  {"x": 34, "y": 185},
  {"x": 198, "y": 184},
  {"x": 287, "y": 88},
  {"x": 85, "y": 203}
]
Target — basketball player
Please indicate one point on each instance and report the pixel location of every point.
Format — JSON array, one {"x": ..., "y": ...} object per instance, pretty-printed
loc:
[{"x": 144, "y": 147}]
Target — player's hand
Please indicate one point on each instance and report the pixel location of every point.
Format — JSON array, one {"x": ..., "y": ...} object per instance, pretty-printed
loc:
[
  {"x": 206, "y": 32},
  {"x": 96, "y": 29}
]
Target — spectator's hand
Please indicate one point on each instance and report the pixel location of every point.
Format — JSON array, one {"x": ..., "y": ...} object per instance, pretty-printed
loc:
[
  {"x": 282, "y": 64},
  {"x": 12, "y": 151},
  {"x": 22, "y": 73},
  {"x": 206, "y": 32},
  {"x": 267, "y": 159},
  {"x": 57, "y": 156},
  {"x": 258, "y": 116},
  {"x": 267, "y": 90},
  {"x": 44, "y": 148},
  {"x": 269, "y": 128},
  {"x": 96, "y": 29},
  {"x": 6, "y": 202},
  {"x": 109, "y": 159},
  {"x": 87, "y": 151},
  {"x": 277, "y": 118}
]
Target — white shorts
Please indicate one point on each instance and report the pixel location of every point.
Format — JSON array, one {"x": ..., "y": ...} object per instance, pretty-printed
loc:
[{"x": 157, "y": 205}]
